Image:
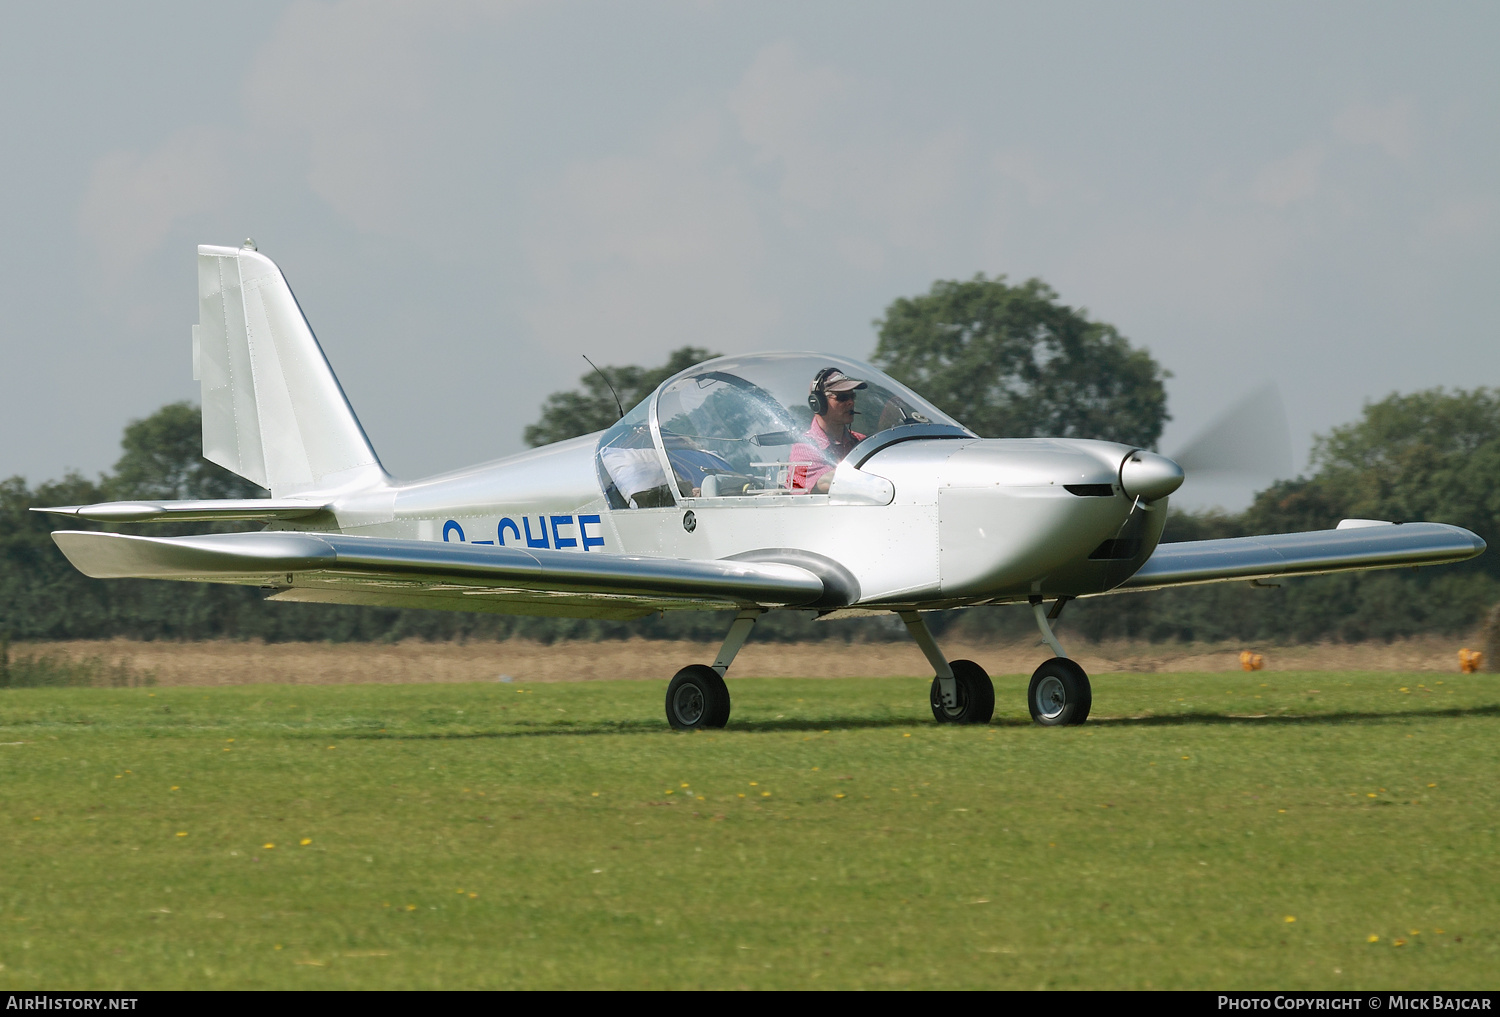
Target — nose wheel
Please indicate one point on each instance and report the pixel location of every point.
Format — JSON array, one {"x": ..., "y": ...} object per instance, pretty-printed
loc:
[{"x": 1059, "y": 694}]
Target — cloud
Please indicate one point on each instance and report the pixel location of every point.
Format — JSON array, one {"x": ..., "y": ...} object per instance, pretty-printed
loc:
[
  {"x": 784, "y": 110},
  {"x": 1024, "y": 166},
  {"x": 829, "y": 137},
  {"x": 1297, "y": 177},
  {"x": 640, "y": 252},
  {"x": 134, "y": 199},
  {"x": 1210, "y": 261},
  {"x": 1390, "y": 127},
  {"x": 362, "y": 90},
  {"x": 1291, "y": 179},
  {"x": 348, "y": 99},
  {"x": 1461, "y": 217}
]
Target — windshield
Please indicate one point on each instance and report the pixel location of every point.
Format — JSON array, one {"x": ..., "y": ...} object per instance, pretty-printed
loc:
[{"x": 746, "y": 427}]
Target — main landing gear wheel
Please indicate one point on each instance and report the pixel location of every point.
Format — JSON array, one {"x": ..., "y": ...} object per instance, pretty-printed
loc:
[
  {"x": 976, "y": 695},
  {"x": 1059, "y": 693},
  {"x": 697, "y": 698}
]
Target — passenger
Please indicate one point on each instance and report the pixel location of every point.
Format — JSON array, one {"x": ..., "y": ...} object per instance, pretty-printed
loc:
[{"x": 830, "y": 438}]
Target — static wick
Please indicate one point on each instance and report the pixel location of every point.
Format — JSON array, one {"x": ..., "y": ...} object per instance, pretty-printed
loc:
[{"x": 612, "y": 391}]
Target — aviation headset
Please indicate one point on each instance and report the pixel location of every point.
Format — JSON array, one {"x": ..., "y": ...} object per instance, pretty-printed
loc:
[{"x": 817, "y": 399}]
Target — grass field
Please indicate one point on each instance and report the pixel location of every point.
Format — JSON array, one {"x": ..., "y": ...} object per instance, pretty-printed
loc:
[{"x": 1276, "y": 830}]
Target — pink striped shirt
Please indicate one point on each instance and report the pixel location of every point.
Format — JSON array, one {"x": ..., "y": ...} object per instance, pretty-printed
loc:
[{"x": 818, "y": 454}]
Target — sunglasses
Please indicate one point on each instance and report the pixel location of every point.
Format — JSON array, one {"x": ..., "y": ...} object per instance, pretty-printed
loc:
[{"x": 841, "y": 397}]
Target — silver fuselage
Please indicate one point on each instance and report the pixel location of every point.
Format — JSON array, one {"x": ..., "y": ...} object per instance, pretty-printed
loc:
[{"x": 931, "y": 522}]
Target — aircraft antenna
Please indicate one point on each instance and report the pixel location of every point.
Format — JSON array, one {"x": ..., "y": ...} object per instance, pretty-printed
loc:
[{"x": 612, "y": 391}]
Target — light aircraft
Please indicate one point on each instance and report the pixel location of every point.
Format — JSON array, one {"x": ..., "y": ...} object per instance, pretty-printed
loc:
[{"x": 699, "y": 498}]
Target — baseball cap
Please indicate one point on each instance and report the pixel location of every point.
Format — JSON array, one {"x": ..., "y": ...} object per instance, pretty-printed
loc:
[{"x": 835, "y": 380}]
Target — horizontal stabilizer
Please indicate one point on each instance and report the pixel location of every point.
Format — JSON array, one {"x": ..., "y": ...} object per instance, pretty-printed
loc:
[
  {"x": 335, "y": 567},
  {"x": 225, "y": 510},
  {"x": 1300, "y": 554}
]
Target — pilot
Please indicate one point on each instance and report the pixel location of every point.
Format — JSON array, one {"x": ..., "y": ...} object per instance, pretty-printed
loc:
[{"x": 830, "y": 438}]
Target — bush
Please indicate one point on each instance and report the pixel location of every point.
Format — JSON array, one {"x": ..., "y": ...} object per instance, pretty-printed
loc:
[{"x": 51, "y": 671}]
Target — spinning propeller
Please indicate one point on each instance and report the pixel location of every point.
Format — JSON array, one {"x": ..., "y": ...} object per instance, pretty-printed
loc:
[{"x": 1249, "y": 441}]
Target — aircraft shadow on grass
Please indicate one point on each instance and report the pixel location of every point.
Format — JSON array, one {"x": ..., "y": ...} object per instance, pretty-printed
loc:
[
  {"x": 820, "y": 725},
  {"x": 652, "y": 726},
  {"x": 1286, "y": 719}
]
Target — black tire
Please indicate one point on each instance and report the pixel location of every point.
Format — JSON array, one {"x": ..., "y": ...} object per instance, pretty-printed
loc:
[
  {"x": 697, "y": 698},
  {"x": 1059, "y": 694},
  {"x": 976, "y": 695}
]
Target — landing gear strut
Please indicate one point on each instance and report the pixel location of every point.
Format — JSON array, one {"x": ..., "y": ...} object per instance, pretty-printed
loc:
[
  {"x": 1059, "y": 693},
  {"x": 697, "y": 696},
  {"x": 962, "y": 692}
]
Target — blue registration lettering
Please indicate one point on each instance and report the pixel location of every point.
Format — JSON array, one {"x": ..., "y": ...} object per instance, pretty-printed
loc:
[
  {"x": 559, "y": 541},
  {"x": 540, "y": 540},
  {"x": 450, "y": 527},
  {"x": 583, "y": 529},
  {"x": 508, "y": 524}
]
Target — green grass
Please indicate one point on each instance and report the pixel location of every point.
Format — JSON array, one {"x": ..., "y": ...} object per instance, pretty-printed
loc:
[{"x": 537, "y": 836}]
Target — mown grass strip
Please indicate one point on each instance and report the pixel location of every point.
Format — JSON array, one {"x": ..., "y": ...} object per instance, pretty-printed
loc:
[{"x": 1201, "y": 831}]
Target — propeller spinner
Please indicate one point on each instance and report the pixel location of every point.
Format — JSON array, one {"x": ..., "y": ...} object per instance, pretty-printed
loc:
[{"x": 1149, "y": 476}]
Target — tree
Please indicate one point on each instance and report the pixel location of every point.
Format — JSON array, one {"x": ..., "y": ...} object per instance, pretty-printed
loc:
[
  {"x": 1432, "y": 455},
  {"x": 164, "y": 460},
  {"x": 569, "y": 414},
  {"x": 1010, "y": 361},
  {"x": 40, "y": 593}
]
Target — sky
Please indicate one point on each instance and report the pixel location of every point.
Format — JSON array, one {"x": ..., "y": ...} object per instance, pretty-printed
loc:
[{"x": 468, "y": 198}]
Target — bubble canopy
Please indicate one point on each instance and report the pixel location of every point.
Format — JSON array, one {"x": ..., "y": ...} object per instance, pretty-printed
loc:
[{"x": 732, "y": 428}]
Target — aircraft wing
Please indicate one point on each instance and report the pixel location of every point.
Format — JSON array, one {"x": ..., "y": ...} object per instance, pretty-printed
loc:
[
  {"x": 1355, "y": 545},
  {"x": 385, "y": 572}
]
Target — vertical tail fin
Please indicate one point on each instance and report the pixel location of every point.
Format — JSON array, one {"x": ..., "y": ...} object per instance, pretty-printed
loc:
[{"x": 273, "y": 412}]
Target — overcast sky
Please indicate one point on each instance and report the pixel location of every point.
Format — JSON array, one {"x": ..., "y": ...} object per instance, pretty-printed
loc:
[{"x": 467, "y": 197}]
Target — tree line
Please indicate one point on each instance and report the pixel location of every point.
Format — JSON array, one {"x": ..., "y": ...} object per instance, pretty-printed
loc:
[{"x": 1008, "y": 360}]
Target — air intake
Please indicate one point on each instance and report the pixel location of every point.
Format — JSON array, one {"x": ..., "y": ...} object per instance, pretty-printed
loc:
[{"x": 1116, "y": 550}]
